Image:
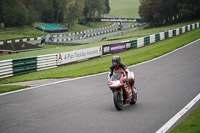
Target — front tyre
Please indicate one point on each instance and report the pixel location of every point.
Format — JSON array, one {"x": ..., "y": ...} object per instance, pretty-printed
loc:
[
  {"x": 118, "y": 100},
  {"x": 134, "y": 98}
]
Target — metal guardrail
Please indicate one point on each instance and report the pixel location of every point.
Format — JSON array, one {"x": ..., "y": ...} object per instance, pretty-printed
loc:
[
  {"x": 6, "y": 68},
  {"x": 46, "y": 62},
  {"x": 25, "y": 65}
]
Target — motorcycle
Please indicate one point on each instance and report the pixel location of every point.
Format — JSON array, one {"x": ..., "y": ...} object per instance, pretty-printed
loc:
[{"x": 123, "y": 92}]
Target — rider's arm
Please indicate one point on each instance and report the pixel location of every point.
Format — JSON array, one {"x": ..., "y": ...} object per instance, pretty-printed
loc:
[
  {"x": 110, "y": 73},
  {"x": 124, "y": 67}
]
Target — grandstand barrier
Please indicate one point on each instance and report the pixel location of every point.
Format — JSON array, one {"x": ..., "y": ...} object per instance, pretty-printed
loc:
[{"x": 25, "y": 65}]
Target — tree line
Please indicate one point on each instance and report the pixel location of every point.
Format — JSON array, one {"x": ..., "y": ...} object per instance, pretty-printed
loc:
[
  {"x": 26, "y": 12},
  {"x": 164, "y": 12}
]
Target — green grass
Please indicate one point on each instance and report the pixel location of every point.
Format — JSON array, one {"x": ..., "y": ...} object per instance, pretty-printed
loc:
[
  {"x": 78, "y": 27},
  {"x": 125, "y": 8},
  {"x": 98, "y": 65},
  {"x": 9, "y": 88},
  {"x": 190, "y": 125},
  {"x": 17, "y": 33},
  {"x": 30, "y": 31}
]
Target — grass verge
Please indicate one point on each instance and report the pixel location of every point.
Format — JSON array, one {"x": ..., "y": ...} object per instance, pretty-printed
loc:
[
  {"x": 98, "y": 65},
  {"x": 30, "y": 31},
  {"x": 191, "y": 124},
  {"x": 8, "y": 88}
]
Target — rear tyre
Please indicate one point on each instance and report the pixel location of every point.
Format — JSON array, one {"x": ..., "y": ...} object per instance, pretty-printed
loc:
[{"x": 118, "y": 100}]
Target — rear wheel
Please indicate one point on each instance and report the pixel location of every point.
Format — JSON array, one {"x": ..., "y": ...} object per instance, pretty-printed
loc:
[{"x": 118, "y": 100}]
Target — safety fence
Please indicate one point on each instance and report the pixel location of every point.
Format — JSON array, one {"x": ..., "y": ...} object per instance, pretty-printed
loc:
[
  {"x": 20, "y": 40},
  {"x": 15, "y": 67}
]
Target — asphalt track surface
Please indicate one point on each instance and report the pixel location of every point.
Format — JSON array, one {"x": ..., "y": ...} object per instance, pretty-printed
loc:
[{"x": 85, "y": 105}]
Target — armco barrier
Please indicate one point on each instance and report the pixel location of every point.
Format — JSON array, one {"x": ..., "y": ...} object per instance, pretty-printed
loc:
[
  {"x": 140, "y": 42},
  {"x": 20, "y": 40},
  {"x": 134, "y": 44},
  {"x": 6, "y": 69},
  {"x": 46, "y": 62},
  {"x": 152, "y": 38},
  {"x": 24, "y": 65},
  {"x": 157, "y": 37},
  {"x": 166, "y": 34},
  {"x": 146, "y": 40}
]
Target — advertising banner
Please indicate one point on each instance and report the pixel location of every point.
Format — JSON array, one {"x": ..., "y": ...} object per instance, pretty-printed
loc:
[
  {"x": 106, "y": 49},
  {"x": 117, "y": 47},
  {"x": 128, "y": 45},
  {"x": 72, "y": 56},
  {"x": 124, "y": 20}
]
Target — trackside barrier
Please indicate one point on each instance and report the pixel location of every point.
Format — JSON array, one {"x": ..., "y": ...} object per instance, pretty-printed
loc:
[
  {"x": 20, "y": 40},
  {"x": 46, "y": 62},
  {"x": 162, "y": 35},
  {"x": 6, "y": 69},
  {"x": 25, "y": 65},
  {"x": 157, "y": 37},
  {"x": 152, "y": 38},
  {"x": 140, "y": 42},
  {"x": 170, "y": 33},
  {"x": 146, "y": 40}
]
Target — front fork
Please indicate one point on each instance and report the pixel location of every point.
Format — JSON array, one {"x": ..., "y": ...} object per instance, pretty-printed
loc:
[{"x": 121, "y": 93}]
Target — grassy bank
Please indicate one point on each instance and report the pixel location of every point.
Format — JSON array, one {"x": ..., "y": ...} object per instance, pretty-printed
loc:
[
  {"x": 125, "y": 8},
  {"x": 190, "y": 125},
  {"x": 98, "y": 65},
  {"x": 30, "y": 31}
]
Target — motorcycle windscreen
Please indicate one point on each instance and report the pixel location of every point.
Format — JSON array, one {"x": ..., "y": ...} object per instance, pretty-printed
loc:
[{"x": 116, "y": 76}]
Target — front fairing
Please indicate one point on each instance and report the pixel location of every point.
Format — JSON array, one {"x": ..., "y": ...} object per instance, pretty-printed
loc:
[{"x": 116, "y": 81}]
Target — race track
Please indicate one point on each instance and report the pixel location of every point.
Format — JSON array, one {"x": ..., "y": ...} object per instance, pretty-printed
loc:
[{"x": 85, "y": 105}]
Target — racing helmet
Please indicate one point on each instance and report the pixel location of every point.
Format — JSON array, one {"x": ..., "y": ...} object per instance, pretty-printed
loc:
[{"x": 116, "y": 61}]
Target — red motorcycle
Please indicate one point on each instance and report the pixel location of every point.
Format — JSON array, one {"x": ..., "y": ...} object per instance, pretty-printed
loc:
[{"x": 122, "y": 90}]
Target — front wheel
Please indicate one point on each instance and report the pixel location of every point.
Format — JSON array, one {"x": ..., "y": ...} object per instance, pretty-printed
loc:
[
  {"x": 118, "y": 100},
  {"x": 134, "y": 98}
]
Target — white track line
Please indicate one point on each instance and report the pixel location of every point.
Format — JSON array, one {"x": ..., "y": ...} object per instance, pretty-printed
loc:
[
  {"x": 99, "y": 73},
  {"x": 175, "y": 118}
]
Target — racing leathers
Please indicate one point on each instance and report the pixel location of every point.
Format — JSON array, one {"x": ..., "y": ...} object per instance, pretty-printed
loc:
[{"x": 130, "y": 75}]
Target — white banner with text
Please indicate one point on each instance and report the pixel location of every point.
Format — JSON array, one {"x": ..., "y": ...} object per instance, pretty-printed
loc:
[{"x": 77, "y": 55}]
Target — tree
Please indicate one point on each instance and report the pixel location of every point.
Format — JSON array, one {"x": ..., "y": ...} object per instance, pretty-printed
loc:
[
  {"x": 107, "y": 5},
  {"x": 74, "y": 11},
  {"x": 94, "y": 8},
  {"x": 160, "y": 12}
]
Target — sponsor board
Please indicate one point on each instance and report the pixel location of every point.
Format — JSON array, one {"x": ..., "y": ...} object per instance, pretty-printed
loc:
[
  {"x": 124, "y": 20},
  {"x": 117, "y": 47},
  {"x": 106, "y": 49},
  {"x": 72, "y": 56}
]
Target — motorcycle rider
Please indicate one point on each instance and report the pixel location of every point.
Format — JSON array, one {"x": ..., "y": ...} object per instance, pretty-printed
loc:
[{"x": 117, "y": 64}]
